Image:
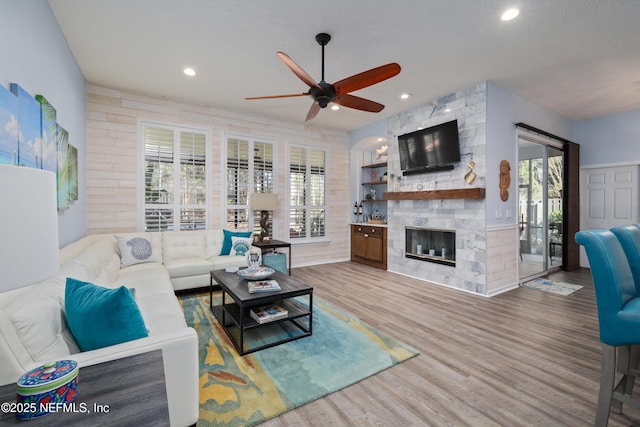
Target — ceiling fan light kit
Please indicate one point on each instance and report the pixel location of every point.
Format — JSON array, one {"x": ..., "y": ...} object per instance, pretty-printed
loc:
[{"x": 324, "y": 93}]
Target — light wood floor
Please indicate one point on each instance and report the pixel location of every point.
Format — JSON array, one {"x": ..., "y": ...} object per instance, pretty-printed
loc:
[{"x": 523, "y": 358}]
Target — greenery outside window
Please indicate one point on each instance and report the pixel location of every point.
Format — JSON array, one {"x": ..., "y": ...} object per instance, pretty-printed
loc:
[
  {"x": 176, "y": 178},
  {"x": 307, "y": 188},
  {"x": 249, "y": 169}
]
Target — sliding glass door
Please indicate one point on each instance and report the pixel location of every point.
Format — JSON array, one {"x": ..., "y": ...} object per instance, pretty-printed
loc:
[{"x": 540, "y": 179}]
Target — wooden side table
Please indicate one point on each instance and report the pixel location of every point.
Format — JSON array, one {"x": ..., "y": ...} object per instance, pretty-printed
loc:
[
  {"x": 274, "y": 244},
  {"x": 127, "y": 391}
]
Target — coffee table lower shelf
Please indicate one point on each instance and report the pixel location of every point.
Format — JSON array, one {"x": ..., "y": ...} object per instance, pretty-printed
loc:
[{"x": 249, "y": 336}]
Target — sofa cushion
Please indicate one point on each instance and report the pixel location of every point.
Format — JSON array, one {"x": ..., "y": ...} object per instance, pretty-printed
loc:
[
  {"x": 227, "y": 243},
  {"x": 183, "y": 244},
  {"x": 188, "y": 267},
  {"x": 240, "y": 245},
  {"x": 220, "y": 262},
  {"x": 137, "y": 249},
  {"x": 42, "y": 329},
  {"x": 99, "y": 317},
  {"x": 147, "y": 278},
  {"x": 99, "y": 262}
]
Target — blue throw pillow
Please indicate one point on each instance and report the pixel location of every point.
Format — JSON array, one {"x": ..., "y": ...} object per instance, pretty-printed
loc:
[
  {"x": 226, "y": 243},
  {"x": 99, "y": 317}
]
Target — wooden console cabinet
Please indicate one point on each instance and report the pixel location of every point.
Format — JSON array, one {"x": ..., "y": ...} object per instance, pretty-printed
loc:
[{"x": 369, "y": 245}]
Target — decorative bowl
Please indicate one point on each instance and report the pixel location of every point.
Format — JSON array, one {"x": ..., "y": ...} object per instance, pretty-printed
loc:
[
  {"x": 259, "y": 273},
  {"x": 54, "y": 383}
]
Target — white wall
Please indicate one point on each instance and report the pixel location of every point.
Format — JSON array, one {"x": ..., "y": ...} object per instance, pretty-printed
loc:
[
  {"x": 112, "y": 164},
  {"x": 609, "y": 140},
  {"x": 36, "y": 56},
  {"x": 504, "y": 110}
]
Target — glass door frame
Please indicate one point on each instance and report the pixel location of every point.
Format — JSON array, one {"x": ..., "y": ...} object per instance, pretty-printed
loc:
[{"x": 525, "y": 224}]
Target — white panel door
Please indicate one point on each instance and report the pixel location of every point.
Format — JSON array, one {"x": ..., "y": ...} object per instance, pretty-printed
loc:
[{"x": 609, "y": 198}]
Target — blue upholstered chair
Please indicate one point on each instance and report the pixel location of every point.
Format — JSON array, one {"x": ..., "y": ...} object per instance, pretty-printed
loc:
[
  {"x": 629, "y": 238},
  {"x": 618, "y": 315}
]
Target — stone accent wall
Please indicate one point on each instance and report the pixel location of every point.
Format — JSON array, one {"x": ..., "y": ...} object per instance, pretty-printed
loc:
[
  {"x": 466, "y": 217},
  {"x": 111, "y": 163}
]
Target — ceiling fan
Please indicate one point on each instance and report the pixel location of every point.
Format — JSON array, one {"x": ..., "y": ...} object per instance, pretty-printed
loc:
[{"x": 324, "y": 93}]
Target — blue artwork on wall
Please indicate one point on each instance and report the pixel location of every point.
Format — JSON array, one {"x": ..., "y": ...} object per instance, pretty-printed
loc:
[
  {"x": 64, "y": 176},
  {"x": 8, "y": 127},
  {"x": 30, "y": 138},
  {"x": 49, "y": 126}
]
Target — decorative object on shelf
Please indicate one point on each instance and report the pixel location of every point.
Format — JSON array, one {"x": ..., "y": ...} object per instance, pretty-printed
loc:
[
  {"x": 360, "y": 210},
  {"x": 470, "y": 176},
  {"x": 381, "y": 153},
  {"x": 264, "y": 202},
  {"x": 374, "y": 194},
  {"x": 374, "y": 175},
  {"x": 392, "y": 182},
  {"x": 385, "y": 177},
  {"x": 377, "y": 218},
  {"x": 259, "y": 273},
  {"x": 254, "y": 258},
  {"x": 398, "y": 183},
  {"x": 54, "y": 383},
  {"x": 505, "y": 180}
]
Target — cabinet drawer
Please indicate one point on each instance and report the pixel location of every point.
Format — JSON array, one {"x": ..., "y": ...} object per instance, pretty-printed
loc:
[{"x": 366, "y": 229}]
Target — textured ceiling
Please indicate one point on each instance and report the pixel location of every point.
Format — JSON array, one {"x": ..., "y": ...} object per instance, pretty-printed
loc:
[{"x": 579, "y": 58}]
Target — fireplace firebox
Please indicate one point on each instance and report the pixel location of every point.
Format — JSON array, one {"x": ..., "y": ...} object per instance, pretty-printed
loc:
[{"x": 431, "y": 245}]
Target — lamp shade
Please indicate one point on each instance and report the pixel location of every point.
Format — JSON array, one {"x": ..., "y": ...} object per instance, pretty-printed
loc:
[
  {"x": 29, "y": 218},
  {"x": 264, "y": 201}
]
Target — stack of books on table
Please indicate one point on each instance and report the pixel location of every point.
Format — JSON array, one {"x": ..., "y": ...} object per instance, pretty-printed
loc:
[
  {"x": 268, "y": 313},
  {"x": 263, "y": 286}
]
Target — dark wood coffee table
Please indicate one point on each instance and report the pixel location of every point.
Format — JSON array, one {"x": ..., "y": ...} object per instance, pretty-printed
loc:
[{"x": 245, "y": 333}]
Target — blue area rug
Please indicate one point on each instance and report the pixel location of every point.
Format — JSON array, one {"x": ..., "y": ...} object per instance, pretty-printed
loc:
[
  {"x": 244, "y": 391},
  {"x": 547, "y": 285}
]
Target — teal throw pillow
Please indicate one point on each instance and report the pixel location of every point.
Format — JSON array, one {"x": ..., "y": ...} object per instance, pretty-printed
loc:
[
  {"x": 226, "y": 243},
  {"x": 99, "y": 317}
]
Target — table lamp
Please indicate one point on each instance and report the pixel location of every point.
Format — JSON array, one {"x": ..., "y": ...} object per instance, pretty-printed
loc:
[
  {"x": 264, "y": 202},
  {"x": 29, "y": 215}
]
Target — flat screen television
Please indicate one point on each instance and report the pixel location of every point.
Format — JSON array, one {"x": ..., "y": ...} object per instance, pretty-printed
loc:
[{"x": 428, "y": 150}]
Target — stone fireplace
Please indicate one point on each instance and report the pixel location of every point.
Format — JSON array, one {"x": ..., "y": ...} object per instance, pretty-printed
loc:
[
  {"x": 424, "y": 203},
  {"x": 431, "y": 245}
]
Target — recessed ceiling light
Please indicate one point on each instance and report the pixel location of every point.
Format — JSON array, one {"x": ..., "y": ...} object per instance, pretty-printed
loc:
[
  {"x": 381, "y": 139},
  {"x": 405, "y": 96},
  {"x": 190, "y": 72},
  {"x": 335, "y": 107},
  {"x": 447, "y": 110},
  {"x": 510, "y": 14}
]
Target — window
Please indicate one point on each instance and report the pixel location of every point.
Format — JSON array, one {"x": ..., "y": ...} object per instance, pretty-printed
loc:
[
  {"x": 307, "y": 175},
  {"x": 176, "y": 178},
  {"x": 250, "y": 169}
]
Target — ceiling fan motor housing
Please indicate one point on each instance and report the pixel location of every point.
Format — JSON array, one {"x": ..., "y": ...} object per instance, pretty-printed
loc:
[{"x": 323, "y": 95}]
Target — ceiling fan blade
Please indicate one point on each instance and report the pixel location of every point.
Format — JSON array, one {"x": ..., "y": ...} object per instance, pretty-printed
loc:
[
  {"x": 313, "y": 111},
  {"x": 358, "y": 103},
  {"x": 366, "y": 78},
  {"x": 297, "y": 70},
  {"x": 277, "y": 96}
]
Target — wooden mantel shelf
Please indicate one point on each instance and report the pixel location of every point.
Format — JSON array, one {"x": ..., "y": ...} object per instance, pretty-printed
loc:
[{"x": 461, "y": 193}]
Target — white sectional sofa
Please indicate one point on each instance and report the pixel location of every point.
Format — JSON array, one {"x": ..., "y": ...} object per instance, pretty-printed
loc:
[{"x": 33, "y": 327}]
